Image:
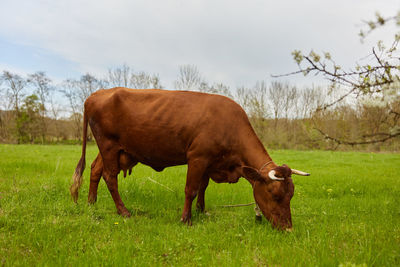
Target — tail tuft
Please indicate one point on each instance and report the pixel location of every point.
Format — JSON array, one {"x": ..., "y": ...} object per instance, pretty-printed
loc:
[{"x": 77, "y": 179}]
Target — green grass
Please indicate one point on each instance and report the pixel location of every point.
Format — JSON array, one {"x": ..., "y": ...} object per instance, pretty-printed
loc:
[{"x": 347, "y": 212}]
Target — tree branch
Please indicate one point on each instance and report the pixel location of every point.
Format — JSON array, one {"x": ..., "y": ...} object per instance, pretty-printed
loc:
[{"x": 352, "y": 143}]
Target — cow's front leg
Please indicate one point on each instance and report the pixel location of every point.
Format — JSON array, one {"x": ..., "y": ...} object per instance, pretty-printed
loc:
[
  {"x": 200, "y": 204},
  {"x": 95, "y": 176},
  {"x": 195, "y": 174}
]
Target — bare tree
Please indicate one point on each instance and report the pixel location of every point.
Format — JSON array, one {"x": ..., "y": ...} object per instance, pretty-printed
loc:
[
  {"x": 124, "y": 76},
  {"x": 4, "y": 116},
  {"x": 254, "y": 102},
  {"x": 276, "y": 97},
  {"x": 69, "y": 90},
  {"x": 87, "y": 85},
  {"x": 189, "y": 78},
  {"x": 120, "y": 76},
  {"x": 54, "y": 110},
  {"x": 77, "y": 91},
  {"x": 310, "y": 99},
  {"x": 216, "y": 88},
  {"x": 258, "y": 100},
  {"x": 42, "y": 86},
  {"x": 243, "y": 98},
  {"x": 142, "y": 80},
  {"x": 54, "y": 107},
  {"x": 14, "y": 89},
  {"x": 290, "y": 101}
]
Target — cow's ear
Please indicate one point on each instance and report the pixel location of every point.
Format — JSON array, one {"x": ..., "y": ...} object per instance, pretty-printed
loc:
[{"x": 252, "y": 174}]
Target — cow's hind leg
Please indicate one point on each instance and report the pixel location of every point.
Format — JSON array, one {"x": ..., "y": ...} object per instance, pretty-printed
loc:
[
  {"x": 95, "y": 176},
  {"x": 194, "y": 179},
  {"x": 110, "y": 174},
  {"x": 112, "y": 184}
]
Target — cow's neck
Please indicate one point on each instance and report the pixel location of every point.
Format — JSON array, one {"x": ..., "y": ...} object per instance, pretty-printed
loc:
[{"x": 256, "y": 156}]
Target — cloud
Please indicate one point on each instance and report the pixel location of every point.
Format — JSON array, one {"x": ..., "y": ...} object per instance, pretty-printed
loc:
[{"x": 234, "y": 42}]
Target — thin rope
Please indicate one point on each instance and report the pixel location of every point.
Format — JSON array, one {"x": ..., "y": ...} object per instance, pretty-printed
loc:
[
  {"x": 154, "y": 181},
  {"x": 265, "y": 165},
  {"x": 237, "y": 205}
]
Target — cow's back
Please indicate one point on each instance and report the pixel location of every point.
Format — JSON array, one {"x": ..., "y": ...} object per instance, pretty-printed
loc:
[{"x": 158, "y": 127}]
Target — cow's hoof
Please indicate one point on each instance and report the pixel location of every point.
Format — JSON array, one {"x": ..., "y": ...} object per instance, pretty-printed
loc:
[
  {"x": 187, "y": 221},
  {"x": 258, "y": 218},
  {"x": 92, "y": 200},
  {"x": 199, "y": 207},
  {"x": 124, "y": 213}
]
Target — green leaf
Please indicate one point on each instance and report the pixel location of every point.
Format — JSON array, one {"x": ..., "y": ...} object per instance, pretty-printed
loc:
[{"x": 297, "y": 56}]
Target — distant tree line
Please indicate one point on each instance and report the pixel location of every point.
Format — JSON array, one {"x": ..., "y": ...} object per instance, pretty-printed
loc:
[{"x": 33, "y": 109}]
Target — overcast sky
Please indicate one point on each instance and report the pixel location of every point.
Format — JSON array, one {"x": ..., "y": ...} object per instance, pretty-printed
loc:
[{"x": 233, "y": 42}]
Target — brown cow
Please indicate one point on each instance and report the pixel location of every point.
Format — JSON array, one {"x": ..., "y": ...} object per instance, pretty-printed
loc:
[{"x": 159, "y": 128}]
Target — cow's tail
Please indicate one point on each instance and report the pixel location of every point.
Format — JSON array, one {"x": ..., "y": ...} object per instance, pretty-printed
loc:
[{"x": 77, "y": 177}]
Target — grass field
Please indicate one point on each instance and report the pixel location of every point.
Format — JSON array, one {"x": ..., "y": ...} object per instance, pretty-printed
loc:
[{"x": 346, "y": 213}]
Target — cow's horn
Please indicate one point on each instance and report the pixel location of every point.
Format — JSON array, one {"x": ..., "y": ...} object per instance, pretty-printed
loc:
[
  {"x": 271, "y": 175},
  {"x": 300, "y": 173}
]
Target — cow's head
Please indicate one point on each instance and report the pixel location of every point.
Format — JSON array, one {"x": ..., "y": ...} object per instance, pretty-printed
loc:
[{"x": 273, "y": 189}]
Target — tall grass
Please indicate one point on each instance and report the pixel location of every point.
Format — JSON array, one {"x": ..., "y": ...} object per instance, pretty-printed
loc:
[{"x": 347, "y": 212}]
